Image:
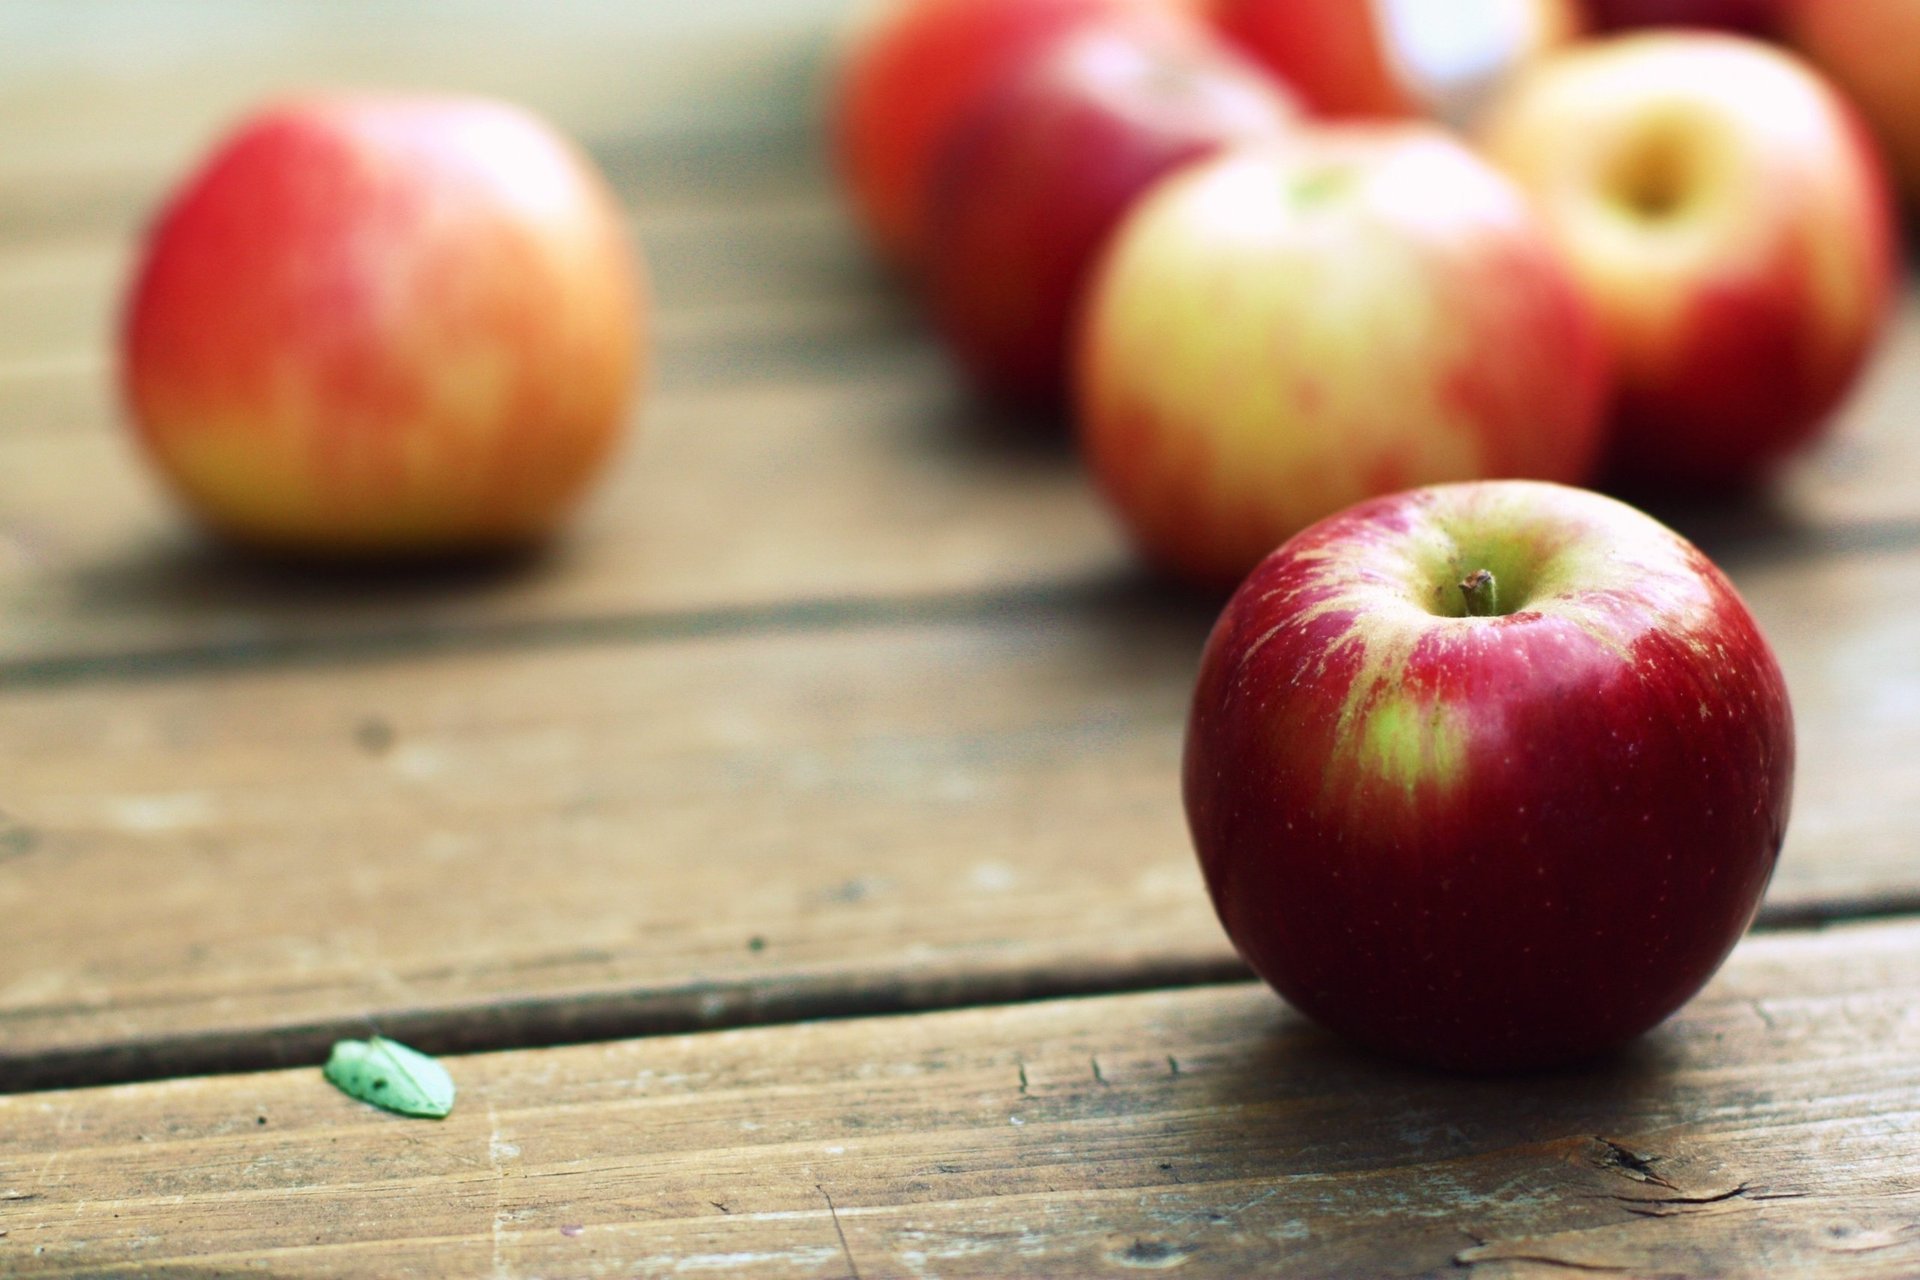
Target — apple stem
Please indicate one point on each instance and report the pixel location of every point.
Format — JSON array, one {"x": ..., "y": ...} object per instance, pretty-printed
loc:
[{"x": 1482, "y": 593}]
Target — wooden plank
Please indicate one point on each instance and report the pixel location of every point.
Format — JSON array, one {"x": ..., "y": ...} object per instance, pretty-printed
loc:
[
  {"x": 531, "y": 833},
  {"x": 1771, "y": 1128}
]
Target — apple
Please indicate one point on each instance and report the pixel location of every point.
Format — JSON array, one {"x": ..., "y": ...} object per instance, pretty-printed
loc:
[
  {"x": 1034, "y": 178},
  {"x": 903, "y": 70},
  {"x": 1277, "y": 333},
  {"x": 1487, "y": 776},
  {"x": 385, "y": 325},
  {"x": 1728, "y": 216},
  {"x": 1396, "y": 58},
  {"x": 1868, "y": 46},
  {"x": 1749, "y": 17}
]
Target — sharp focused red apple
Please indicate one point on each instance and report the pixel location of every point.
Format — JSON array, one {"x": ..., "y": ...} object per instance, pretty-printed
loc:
[
  {"x": 1395, "y": 58},
  {"x": 1728, "y": 216},
  {"x": 385, "y": 324},
  {"x": 906, "y": 68},
  {"x": 1488, "y": 776},
  {"x": 1869, "y": 48},
  {"x": 1275, "y": 334},
  {"x": 1033, "y": 179}
]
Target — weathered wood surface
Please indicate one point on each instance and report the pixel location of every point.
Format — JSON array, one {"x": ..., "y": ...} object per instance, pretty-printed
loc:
[
  {"x": 1772, "y": 1128},
  {"x": 510, "y": 845}
]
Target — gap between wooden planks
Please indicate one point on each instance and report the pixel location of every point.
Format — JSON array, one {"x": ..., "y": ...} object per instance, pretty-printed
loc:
[
  {"x": 1772, "y": 1127},
  {"x": 631, "y": 833}
]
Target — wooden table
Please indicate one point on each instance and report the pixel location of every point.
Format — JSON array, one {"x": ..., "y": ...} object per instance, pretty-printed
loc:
[{"x": 818, "y": 795}]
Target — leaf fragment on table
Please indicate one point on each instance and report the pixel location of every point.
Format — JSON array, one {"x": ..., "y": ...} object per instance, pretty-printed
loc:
[{"x": 389, "y": 1075}]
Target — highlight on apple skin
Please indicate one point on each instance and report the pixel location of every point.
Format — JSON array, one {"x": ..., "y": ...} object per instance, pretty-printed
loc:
[
  {"x": 1868, "y": 47},
  {"x": 1396, "y": 59},
  {"x": 1277, "y": 333},
  {"x": 1497, "y": 822},
  {"x": 1728, "y": 215},
  {"x": 385, "y": 325},
  {"x": 1034, "y": 178}
]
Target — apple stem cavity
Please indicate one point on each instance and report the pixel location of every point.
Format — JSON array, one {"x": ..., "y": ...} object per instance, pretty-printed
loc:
[{"x": 1481, "y": 593}]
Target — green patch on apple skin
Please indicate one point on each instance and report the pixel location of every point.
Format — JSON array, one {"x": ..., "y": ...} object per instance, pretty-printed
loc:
[{"x": 1411, "y": 744}]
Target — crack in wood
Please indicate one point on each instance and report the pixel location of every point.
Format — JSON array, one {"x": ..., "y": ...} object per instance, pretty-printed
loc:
[
  {"x": 1541, "y": 1259},
  {"x": 1630, "y": 1163},
  {"x": 853, "y": 1269}
]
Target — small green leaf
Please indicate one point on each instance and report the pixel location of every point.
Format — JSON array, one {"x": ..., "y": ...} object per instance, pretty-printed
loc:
[{"x": 390, "y": 1075}]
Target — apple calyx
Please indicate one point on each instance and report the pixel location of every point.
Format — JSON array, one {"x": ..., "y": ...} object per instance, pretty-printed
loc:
[{"x": 1481, "y": 593}]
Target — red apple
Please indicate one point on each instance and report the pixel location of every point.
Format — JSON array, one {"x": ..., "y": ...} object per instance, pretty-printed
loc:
[
  {"x": 1749, "y": 17},
  {"x": 1869, "y": 48},
  {"x": 1396, "y": 58},
  {"x": 1729, "y": 218},
  {"x": 385, "y": 324},
  {"x": 1275, "y": 334},
  {"x": 1488, "y": 776},
  {"x": 905, "y": 69},
  {"x": 1033, "y": 180}
]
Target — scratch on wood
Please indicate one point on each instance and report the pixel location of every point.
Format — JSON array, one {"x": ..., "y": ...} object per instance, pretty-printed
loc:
[
  {"x": 1173, "y": 1065},
  {"x": 496, "y": 1150},
  {"x": 852, "y": 1269},
  {"x": 1098, "y": 1076},
  {"x": 1023, "y": 1079},
  {"x": 1765, "y": 1017},
  {"x": 721, "y": 1207}
]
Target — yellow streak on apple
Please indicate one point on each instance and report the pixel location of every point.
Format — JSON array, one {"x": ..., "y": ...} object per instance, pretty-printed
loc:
[{"x": 1409, "y": 742}]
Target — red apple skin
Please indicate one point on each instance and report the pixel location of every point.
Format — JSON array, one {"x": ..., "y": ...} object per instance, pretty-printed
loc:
[
  {"x": 1488, "y": 843},
  {"x": 1867, "y": 47},
  {"x": 1759, "y": 18},
  {"x": 1340, "y": 55},
  {"x": 905, "y": 69},
  {"x": 385, "y": 325},
  {"x": 1033, "y": 181},
  {"x": 1275, "y": 334},
  {"x": 1727, "y": 213}
]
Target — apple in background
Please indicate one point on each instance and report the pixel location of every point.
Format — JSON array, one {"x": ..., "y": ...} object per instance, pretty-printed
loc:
[
  {"x": 1870, "y": 48},
  {"x": 903, "y": 71},
  {"x": 1749, "y": 17},
  {"x": 1034, "y": 178},
  {"x": 385, "y": 325},
  {"x": 1729, "y": 218},
  {"x": 1275, "y": 334},
  {"x": 1396, "y": 58},
  {"x": 1488, "y": 776}
]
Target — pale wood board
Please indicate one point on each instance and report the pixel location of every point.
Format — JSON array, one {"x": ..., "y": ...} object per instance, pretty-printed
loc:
[
  {"x": 499, "y": 839},
  {"x": 1771, "y": 1128}
]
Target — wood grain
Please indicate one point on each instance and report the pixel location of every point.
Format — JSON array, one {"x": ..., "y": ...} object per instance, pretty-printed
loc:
[
  {"x": 524, "y": 837},
  {"x": 1772, "y": 1128}
]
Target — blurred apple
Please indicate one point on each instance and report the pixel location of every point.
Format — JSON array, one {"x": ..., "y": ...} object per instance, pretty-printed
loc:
[
  {"x": 1034, "y": 179},
  {"x": 904, "y": 70},
  {"x": 377, "y": 324},
  {"x": 1871, "y": 48},
  {"x": 1750, "y": 17},
  {"x": 1396, "y": 58},
  {"x": 1728, "y": 216},
  {"x": 1275, "y": 334}
]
